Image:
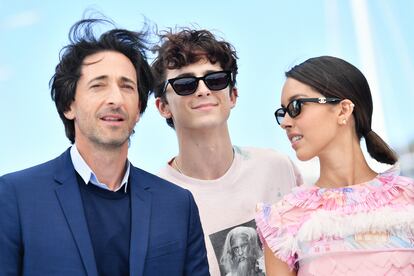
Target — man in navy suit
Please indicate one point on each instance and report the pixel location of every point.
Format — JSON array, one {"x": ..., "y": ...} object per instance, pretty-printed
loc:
[{"x": 89, "y": 211}]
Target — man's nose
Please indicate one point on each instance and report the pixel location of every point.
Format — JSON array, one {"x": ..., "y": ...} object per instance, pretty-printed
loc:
[
  {"x": 202, "y": 89},
  {"x": 238, "y": 251},
  {"x": 115, "y": 96}
]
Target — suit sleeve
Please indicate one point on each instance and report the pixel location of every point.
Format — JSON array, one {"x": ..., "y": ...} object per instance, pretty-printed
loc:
[
  {"x": 10, "y": 232},
  {"x": 196, "y": 257}
]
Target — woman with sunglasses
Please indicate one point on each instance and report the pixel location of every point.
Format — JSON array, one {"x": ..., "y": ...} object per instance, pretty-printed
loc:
[{"x": 353, "y": 221}]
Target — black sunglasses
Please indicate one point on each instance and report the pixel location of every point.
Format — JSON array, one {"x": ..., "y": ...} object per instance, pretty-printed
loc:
[
  {"x": 295, "y": 106},
  {"x": 214, "y": 81}
]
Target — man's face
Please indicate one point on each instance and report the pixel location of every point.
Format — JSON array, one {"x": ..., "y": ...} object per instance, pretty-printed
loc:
[
  {"x": 239, "y": 248},
  {"x": 106, "y": 105},
  {"x": 204, "y": 109}
]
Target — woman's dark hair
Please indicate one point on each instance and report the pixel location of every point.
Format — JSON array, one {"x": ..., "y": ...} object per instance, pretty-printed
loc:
[
  {"x": 83, "y": 43},
  {"x": 334, "y": 77},
  {"x": 188, "y": 46}
]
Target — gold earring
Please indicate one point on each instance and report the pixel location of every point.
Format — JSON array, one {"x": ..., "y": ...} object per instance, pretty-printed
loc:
[{"x": 344, "y": 122}]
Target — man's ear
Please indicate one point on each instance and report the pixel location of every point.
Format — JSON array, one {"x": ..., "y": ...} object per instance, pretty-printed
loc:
[
  {"x": 233, "y": 96},
  {"x": 345, "y": 112},
  {"x": 163, "y": 108},
  {"x": 69, "y": 114}
]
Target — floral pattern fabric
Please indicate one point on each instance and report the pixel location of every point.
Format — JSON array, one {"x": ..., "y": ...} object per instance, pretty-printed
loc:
[{"x": 312, "y": 229}]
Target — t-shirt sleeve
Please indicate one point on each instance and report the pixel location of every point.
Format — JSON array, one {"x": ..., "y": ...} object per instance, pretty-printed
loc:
[
  {"x": 297, "y": 174},
  {"x": 275, "y": 233}
]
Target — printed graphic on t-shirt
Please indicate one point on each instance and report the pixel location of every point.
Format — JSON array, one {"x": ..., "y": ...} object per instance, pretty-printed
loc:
[{"x": 238, "y": 250}]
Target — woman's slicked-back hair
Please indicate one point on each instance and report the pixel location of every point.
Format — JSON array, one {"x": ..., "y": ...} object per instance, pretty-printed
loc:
[
  {"x": 83, "y": 43},
  {"x": 334, "y": 77}
]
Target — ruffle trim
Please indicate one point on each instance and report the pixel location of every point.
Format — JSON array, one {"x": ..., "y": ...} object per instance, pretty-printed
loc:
[
  {"x": 396, "y": 221},
  {"x": 379, "y": 192},
  {"x": 282, "y": 245},
  {"x": 284, "y": 238}
]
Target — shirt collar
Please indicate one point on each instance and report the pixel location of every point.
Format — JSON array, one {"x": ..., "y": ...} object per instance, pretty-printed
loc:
[{"x": 88, "y": 175}]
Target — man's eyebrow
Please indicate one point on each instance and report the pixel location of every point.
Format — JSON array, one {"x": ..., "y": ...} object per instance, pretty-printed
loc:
[
  {"x": 211, "y": 71},
  {"x": 103, "y": 77},
  {"x": 183, "y": 75},
  {"x": 126, "y": 79},
  {"x": 191, "y": 74}
]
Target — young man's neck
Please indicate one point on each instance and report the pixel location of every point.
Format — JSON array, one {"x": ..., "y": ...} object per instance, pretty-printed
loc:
[
  {"x": 206, "y": 155},
  {"x": 108, "y": 164}
]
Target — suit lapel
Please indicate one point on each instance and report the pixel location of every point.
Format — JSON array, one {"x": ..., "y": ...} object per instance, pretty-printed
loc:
[
  {"x": 70, "y": 200},
  {"x": 140, "y": 220}
]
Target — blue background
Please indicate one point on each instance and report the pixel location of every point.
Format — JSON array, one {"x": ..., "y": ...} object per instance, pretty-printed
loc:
[{"x": 269, "y": 36}]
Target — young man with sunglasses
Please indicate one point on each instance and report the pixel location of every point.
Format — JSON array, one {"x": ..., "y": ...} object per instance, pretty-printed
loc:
[{"x": 195, "y": 75}]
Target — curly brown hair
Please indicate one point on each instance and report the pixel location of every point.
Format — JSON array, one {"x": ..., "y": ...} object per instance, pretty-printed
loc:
[{"x": 186, "y": 46}]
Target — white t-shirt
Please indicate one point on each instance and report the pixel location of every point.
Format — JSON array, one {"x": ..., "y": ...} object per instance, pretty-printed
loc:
[{"x": 256, "y": 175}]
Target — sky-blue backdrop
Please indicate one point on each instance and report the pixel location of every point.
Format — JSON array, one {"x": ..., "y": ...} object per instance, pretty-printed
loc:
[{"x": 270, "y": 36}]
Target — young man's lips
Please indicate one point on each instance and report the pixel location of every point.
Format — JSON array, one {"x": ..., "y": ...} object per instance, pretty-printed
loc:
[{"x": 204, "y": 106}]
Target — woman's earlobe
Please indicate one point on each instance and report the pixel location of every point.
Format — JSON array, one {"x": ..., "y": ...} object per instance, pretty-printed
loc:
[{"x": 347, "y": 108}]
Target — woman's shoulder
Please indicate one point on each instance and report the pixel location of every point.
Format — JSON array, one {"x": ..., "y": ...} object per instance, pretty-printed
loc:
[
  {"x": 289, "y": 208},
  {"x": 385, "y": 189},
  {"x": 284, "y": 208},
  {"x": 393, "y": 178},
  {"x": 278, "y": 223}
]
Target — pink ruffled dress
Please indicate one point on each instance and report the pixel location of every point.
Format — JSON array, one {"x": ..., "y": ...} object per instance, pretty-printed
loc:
[{"x": 365, "y": 229}]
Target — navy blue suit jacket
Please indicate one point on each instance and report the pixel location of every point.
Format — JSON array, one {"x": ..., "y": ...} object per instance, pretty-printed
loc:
[{"x": 43, "y": 229}]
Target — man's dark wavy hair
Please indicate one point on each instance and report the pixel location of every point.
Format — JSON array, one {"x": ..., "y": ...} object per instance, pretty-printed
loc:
[{"x": 83, "y": 43}]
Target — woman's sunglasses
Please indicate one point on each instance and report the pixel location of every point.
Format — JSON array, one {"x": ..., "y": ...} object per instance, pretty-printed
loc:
[
  {"x": 294, "y": 107},
  {"x": 214, "y": 81}
]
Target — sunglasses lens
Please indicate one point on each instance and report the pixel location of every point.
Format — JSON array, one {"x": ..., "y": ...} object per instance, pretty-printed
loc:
[
  {"x": 184, "y": 86},
  {"x": 280, "y": 115},
  {"x": 217, "y": 81},
  {"x": 294, "y": 108},
  {"x": 188, "y": 85}
]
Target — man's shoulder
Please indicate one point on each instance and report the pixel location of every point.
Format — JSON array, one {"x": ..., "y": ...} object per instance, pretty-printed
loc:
[
  {"x": 261, "y": 154},
  {"x": 155, "y": 182},
  {"x": 32, "y": 179},
  {"x": 168, "y": 173},
  {"x": 41, "y": 170}
]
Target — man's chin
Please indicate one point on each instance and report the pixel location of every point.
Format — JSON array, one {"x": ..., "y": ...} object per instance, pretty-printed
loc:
[
  {"x": 245, "y": 266},
  {"x": 112, "y": 142},
  {"x": 242, "y": 260}
]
